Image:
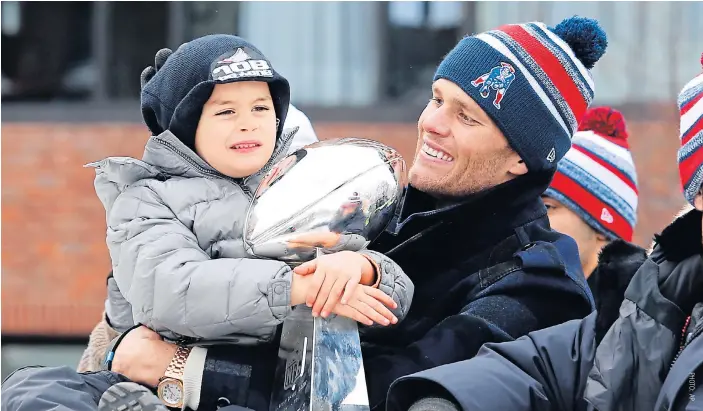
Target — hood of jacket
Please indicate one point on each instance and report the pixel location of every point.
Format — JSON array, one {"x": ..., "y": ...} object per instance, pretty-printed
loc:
[
  {"x": 634, "y": 358},
  {"x": 165, "y": 156}
]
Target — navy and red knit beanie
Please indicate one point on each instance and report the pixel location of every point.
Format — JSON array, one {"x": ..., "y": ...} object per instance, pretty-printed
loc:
[{"x": 532, "y": 80}]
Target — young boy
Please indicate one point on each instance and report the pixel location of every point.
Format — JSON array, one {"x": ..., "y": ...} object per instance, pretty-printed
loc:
[
  {"x": 175, "y": 218},
  {"x": 117, "y": 316}
]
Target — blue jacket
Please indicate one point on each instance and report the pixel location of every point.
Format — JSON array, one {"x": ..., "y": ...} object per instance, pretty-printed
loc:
[
  {"x": 650, "y": 359},
  {"x": 486, "y": 269}
]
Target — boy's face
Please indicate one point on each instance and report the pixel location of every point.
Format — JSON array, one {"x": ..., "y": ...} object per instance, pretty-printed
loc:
[
  {"x": 565, "y": 221},
  {"x": 237, "y": 129}
]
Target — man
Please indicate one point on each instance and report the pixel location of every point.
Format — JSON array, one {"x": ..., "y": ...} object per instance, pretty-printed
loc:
[
  {"x": 651, "y": 358},
  {"x": 472, "y": 232},
  {"x": 593, "y": 199}
]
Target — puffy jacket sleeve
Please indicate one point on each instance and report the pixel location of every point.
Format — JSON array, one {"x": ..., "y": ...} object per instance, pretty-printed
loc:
[
  {"x": 393, "y": 282},
  {"x": 542, "y": 371},
  {"x": 173, "y": 285}
]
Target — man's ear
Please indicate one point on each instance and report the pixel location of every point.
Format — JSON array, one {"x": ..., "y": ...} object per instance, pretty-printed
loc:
[
  {"x": 601, "y": 241},
  {"x": 518, "y": 168}
]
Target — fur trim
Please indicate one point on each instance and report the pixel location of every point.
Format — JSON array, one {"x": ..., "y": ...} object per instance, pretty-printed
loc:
[
  {"x": 688, "y": 207},
  {"x": 100, "y": 339},
  {"x": 681, "y": 239},
  {"x": 617, "y": 264}
]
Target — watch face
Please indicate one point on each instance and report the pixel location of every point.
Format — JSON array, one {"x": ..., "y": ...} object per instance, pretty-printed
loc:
[{"x": 171, "y": 393}]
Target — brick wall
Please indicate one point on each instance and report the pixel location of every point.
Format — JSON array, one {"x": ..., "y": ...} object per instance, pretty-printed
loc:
[{"x": 54, "y": 258}]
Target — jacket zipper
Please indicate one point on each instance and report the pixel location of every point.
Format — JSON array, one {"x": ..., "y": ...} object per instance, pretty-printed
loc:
[
  {"x": 694, "y": 334},
  {"x": 686, "y": 339},
  {"x": 241, "y": 183},
  {"x": 203, "y": 170},
  {"x": 413, "y": 238},
  {"x": 276, "y": 152}
]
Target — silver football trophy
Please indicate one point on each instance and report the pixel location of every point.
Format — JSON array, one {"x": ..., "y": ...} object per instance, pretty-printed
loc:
[{"x": 330, "y": 196}]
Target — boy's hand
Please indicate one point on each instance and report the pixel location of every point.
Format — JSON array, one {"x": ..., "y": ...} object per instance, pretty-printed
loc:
[
  {"x": 366, "y": 305},
  {"x": 335, "y": 275}
]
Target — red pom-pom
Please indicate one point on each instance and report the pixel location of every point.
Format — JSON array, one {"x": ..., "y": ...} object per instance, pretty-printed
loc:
[
  {"x": 701, "y": 60},
  {"x": 605, "y": 121}
]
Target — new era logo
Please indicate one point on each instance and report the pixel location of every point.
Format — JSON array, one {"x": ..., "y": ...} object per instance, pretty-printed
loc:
[
  {"x": 552, "y": 155},
  {"x": 606, "y": 216}
]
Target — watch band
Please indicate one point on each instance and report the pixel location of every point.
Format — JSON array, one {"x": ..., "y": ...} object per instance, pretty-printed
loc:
[{"x": 178, "y": 363}]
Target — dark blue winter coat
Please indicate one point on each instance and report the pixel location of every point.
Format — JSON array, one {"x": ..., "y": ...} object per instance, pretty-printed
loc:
[{"x": 650, "y": 359}]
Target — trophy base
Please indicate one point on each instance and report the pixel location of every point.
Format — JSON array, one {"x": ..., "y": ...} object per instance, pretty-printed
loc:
[{"x": 320, "y": 367}]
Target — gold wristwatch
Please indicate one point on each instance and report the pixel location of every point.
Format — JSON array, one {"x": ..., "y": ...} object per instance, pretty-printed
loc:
[{"x": 170, "y": 388}]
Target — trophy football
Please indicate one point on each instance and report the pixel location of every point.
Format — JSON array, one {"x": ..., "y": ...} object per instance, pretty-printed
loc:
[{"x": 330, "y": 196}]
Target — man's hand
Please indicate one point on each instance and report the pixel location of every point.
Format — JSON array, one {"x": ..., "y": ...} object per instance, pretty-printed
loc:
[
  {"x": 334, "y": 276},
  {"x": 143, "y": 356}
]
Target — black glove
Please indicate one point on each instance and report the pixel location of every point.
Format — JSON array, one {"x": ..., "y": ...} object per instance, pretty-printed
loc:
[{"x": 159, "y": 61}]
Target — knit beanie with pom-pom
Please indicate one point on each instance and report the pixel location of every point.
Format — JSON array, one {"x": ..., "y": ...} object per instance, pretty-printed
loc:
[
  {"x": 597, "y": 179},
  {"x": 690, "y": 156},
  {"x": 532, "y": 80}
]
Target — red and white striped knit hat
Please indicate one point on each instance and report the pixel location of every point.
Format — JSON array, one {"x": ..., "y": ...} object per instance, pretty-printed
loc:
[
  {"x": 690, "y": 154},
  {"x": 597, "y": 178}
]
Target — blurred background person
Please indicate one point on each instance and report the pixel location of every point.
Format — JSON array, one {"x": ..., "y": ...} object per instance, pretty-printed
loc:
[{"x": 593, "y": 199}]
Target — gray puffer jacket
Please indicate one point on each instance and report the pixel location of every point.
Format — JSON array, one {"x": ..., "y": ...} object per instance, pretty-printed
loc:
[{"x": 174, "y": 232}]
